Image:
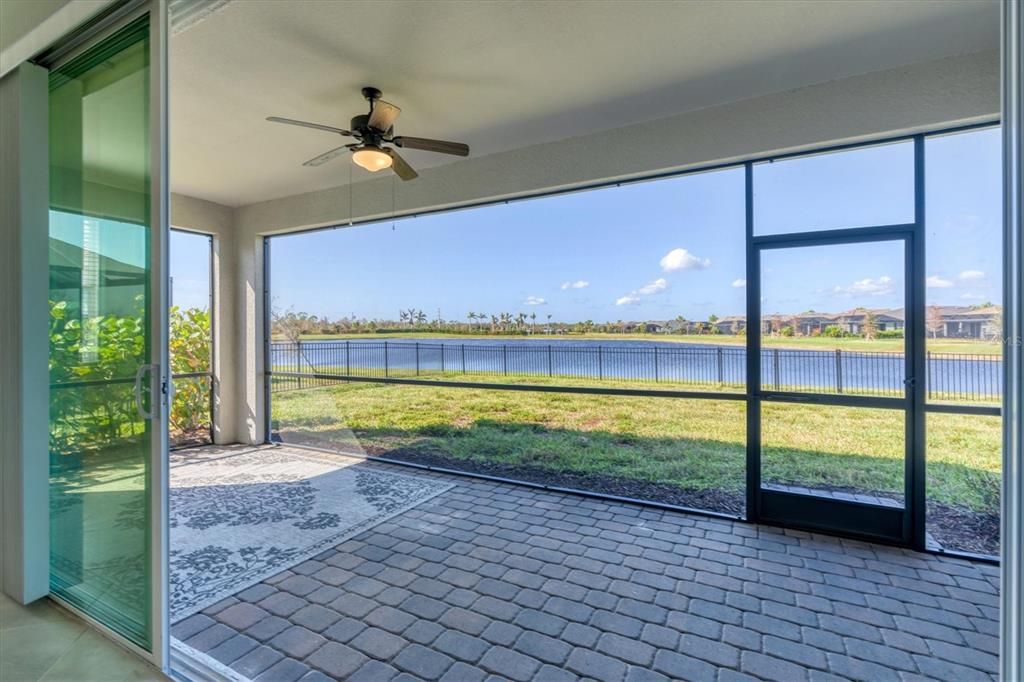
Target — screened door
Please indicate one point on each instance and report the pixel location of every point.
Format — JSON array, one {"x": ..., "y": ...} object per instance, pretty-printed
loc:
[
  {"x": 834, "y": 385},
  {"x": 106, "y": 337}
]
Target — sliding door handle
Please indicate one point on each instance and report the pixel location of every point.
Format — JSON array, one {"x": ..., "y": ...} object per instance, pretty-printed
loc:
[{"x": 154, "y": 397}]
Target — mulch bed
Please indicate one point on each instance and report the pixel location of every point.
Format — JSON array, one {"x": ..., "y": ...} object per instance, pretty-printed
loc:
[
  {"x": 955, "y": 528},
  {"x": 712, "y": 500}
]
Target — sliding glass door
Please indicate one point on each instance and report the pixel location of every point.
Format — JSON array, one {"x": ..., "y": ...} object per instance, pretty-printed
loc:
[{"x": 107, "y": 313}]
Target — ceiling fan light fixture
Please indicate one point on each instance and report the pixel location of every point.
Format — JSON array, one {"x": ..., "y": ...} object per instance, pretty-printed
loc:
[{"x": 372, "y": 158}]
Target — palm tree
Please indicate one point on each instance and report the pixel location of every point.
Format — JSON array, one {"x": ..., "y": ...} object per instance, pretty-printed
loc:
[
  {"x": 472, "y": 316},
  {"x": 421, "y": 317},
  {"x": 494, "y": 322},
  {"x": 533, "y": 320}
]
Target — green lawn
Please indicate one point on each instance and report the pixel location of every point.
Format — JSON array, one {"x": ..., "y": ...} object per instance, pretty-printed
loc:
[
  {"x": 968, "y": 346},
  {"x": 692, "y": 444}
]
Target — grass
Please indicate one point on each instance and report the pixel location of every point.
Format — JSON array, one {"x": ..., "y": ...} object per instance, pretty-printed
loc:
[
  {"x": 966, "y": 346},
  {"x": 688, "y": 443}
]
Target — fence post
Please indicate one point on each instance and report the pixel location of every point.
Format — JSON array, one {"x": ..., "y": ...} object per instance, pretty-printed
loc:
[
  {"x": 463, "y": 358},
  {"x": 298, "y": 360},
  {"x": 385, "y": 359},
  {"x": 656, "y": 364},
  {"x": 839, "y": 371},
  {"x": 550, "y": 366},
  {"x": 775, "y": 367},
  {"x": 348, "y": 362},
  {"x": 417, "y": 344},
  {"x": 721, "y": 365},
  {"x": 504, "y": 359},
  {"x": 928, "y": 371},
  {"x": 442, "y": 358},
  {"x": 600, "y": 364}
]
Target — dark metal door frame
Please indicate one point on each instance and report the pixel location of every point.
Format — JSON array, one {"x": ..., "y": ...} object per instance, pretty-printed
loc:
[{"x": 906, "y": 525}]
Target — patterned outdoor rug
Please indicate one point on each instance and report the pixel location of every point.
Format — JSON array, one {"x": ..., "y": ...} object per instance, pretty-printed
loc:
[{"x": 239, "y": 515}]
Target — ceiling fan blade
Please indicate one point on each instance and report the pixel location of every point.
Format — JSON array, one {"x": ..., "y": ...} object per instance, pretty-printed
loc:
[
  {"x": 424, "y": 144},
  {"x": 383, "y": 115},
  {"x": 327, "y": 156},
  {"x": 306, "y": 124},
  {"x": 399, "y": 165}
]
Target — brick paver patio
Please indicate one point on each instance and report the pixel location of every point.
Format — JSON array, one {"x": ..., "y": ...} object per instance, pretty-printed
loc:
[{"x": 496, "y": 581}]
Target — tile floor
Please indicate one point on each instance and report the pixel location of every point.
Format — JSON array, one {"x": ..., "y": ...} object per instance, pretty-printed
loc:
[{"x": 43, "y": 642}]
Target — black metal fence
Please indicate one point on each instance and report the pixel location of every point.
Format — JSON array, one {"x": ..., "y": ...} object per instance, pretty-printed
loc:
[{"x": 951, "y": 376}]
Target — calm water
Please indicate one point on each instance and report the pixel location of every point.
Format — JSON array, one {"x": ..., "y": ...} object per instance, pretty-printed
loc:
[{"x": 881, "y": 373}]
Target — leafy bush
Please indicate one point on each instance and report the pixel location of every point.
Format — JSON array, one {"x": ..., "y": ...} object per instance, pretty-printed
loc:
[
  {"x": 103, "y": 350},
  {"x": 190, "y": 353},
  {"x": 92, "y": 372}
]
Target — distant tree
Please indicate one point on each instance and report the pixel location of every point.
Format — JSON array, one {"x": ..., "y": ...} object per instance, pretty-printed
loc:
[
  {"x": 870, "y": 326},
  {"x": 933, "y": 320},
  {"x": 472, "y": 317},
  {"x": 996, "y": 324},
  {"x": 712, "y": 318},
  {"x": 533, "y": 321}
]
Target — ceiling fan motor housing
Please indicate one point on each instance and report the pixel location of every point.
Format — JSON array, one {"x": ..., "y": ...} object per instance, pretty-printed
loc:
[{"x": 360, "y": 122}]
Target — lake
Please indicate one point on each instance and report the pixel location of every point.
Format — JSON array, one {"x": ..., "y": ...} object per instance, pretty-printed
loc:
[{"x": 950, "y": 375}]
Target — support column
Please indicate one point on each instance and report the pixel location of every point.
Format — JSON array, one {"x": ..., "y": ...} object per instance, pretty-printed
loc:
[
  {"x": 1012, "y": 592},
  {"x": 250, "y": 338},
  {"x": 1012, "y": 639},
  {"x": 217, "y": 221},
  {"x": 24, "y": 373}
]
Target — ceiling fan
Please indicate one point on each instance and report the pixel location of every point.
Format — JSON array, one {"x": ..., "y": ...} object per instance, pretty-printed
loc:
[{"x": 373, "y": 131}]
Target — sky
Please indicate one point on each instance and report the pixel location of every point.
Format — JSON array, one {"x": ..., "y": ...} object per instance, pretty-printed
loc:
[
  {"x": 190, "y": 269},
  {"x": 654, "y": 250}
]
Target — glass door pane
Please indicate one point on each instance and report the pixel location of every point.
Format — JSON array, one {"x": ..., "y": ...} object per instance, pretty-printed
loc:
[{"x": 100, "y": 314}]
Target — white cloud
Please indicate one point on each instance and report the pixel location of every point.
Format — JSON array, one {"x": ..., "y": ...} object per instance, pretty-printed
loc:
[
  {"x": 739, "y": 283},
  {"x": 655, "y": 287},
  {"x": 535, "y": 300},
  {"x": 868, "y": 286},
  {"x": 971, "y": 275},
  {"x": 578, "y": 284},
  {"x": 681, "y": 259},
  {"x": 936, "y": 282}
]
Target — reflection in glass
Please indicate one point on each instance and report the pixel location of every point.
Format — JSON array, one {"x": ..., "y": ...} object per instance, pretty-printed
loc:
[{"x": 99, "y": 338}]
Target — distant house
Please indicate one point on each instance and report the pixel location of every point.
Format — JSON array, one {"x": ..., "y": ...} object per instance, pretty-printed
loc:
[
  {"x": 811, "y": 323},
  {"x": 955, "y": 322},
  {"x": 852, "y": 321},
  {"x": 731, "y": 324},
  {"x": 964, "y": 322}
]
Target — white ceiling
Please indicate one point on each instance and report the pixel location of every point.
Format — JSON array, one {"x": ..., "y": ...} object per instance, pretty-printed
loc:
[{"x": 504, "y": 75}]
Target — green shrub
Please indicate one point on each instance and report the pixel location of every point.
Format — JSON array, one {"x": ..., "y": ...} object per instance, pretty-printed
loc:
[{"x": 92, "y": 369}]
